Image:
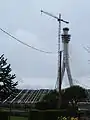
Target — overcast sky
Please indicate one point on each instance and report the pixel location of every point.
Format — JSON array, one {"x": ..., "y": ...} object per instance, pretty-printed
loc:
[{"x": 22, "y": 18}]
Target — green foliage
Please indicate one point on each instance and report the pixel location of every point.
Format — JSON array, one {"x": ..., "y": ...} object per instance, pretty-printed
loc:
[
  {"x": 51, "y": 114},
  {"x": 7, "y": 85},
  {"x": 18, "y": 118},
  {"x": 3, "y": 115},
  {"x": 49, "y": 101},
  {"x": 72, "y": 94},
  {"x": 76, "y": 93},
  {"x": 50, "y": 97}
]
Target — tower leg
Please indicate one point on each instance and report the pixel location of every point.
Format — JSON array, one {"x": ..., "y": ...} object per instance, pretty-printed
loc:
[
  {"x": 69, "y": 75},
  {"x": 67, "y": 66},
  {"x": 63, "y": 70}
]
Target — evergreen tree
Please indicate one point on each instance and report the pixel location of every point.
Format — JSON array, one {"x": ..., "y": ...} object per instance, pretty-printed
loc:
[{"x": 7, "y": 85}]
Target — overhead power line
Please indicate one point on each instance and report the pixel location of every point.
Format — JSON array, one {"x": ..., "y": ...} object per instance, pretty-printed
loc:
[
  {"x": 87, "y": 49},
  {"x": 81, "y": 83},
  {"x": 30, "y": 46}
]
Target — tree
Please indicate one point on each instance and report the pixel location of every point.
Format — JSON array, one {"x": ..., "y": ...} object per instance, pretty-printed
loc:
[
  {"x": 49, "y": 101},
  {"x": 7, "y": 85},
  {"x": 74, "y": 92},
  {"x": 71, "y": 94}
]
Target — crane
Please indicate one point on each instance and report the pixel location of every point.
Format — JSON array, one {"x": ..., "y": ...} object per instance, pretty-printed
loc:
[
  {"x": 59, "y": 34},
  {"x": 59, "y": 19}
]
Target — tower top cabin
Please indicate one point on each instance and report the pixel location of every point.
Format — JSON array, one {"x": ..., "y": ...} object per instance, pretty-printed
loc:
[{"x": 65, "y": 35}]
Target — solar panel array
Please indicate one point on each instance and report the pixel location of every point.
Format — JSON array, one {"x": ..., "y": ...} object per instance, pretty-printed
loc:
[{"x": 27, "y": 96}]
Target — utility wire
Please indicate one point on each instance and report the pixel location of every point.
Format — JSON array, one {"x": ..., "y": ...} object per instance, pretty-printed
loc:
[
  {"x": 81, "y": 83},
  {"x": 87, "y": 49},
  {"x": 87, "y": 87},
  {"x": 32, "y": 47},
  {"x": 74, "y": 84}
]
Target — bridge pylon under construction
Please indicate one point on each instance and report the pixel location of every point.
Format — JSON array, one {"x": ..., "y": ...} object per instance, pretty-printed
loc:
[
  {"x": 65, "y": 60},
  {"x": 66, "y": 65}
]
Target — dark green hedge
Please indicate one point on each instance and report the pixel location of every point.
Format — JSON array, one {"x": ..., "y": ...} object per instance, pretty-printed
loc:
[
  {"x": 4, "y": 115},
  {"x": 50, "y": 114}
]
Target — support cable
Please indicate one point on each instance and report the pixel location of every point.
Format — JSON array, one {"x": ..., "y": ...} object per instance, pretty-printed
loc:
[{"x": 32, "y": 47}]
